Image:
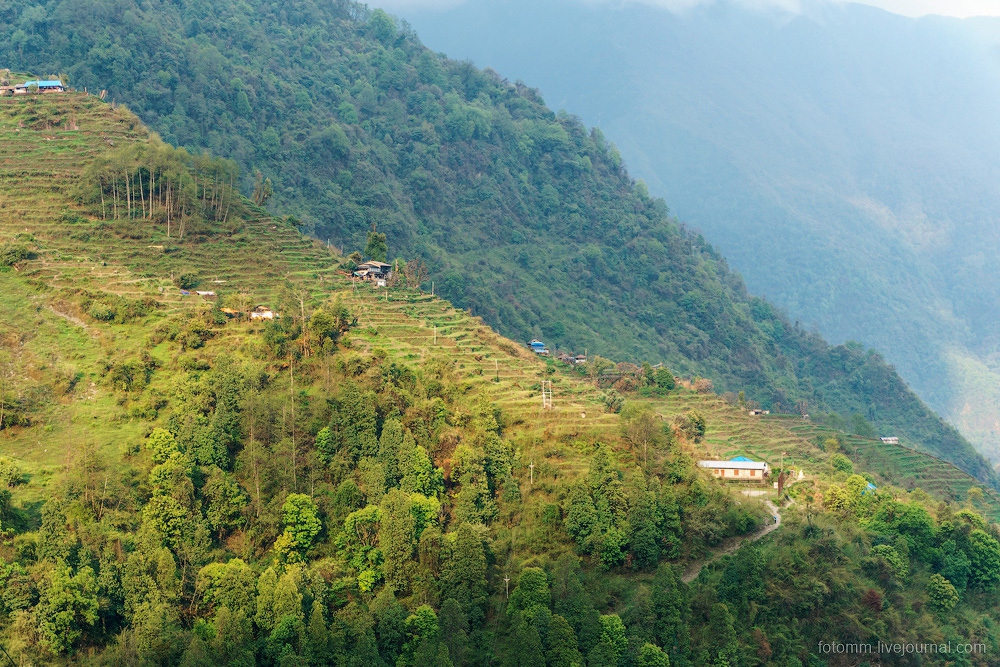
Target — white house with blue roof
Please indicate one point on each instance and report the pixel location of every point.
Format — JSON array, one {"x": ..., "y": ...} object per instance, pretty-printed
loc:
[
  {"x": 740, "y": 469},
  {"x": 40, "y": 85}
]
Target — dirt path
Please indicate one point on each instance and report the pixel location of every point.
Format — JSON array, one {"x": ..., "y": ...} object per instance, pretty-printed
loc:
[{"x": 732, "y": 545}]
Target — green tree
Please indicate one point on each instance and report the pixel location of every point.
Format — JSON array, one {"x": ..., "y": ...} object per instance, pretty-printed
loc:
[
  {"x": 614, "y": 634},
  {"x": 651, "y": 655},
  {"x": 463, "y": 575},
  {"x": 455, "y": 630},
  {"x": 563, "y": 650},
  {"x": 984, "y": 554},
  {"x": 68, "y": 606},
  {"x": 842, "y": 463},
  {"x": 532, "y": 590},
  {"x": 302, "y": 525},
  {"x": 941, "y": 594},
  {"x": 225, "y": 501},
  {"x": 397, "y": 539},
  {"x": 161, "y": 444},
  {"x": 524, "y": 646},
  {"x": 376, "y": 247},
  {"x": 231, "y": 585},
  {"x": 721, "y": 635}
]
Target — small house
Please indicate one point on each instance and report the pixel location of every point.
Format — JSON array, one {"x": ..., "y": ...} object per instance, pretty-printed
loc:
[
  {"x": 262, "y": 313},
  {"x": 538, "y": 347},
  {"x": 50, "y": 86},
  {"x": 206, "y": 294},
  {"x": 373, "y": 271},
  {"x": 890, "y": 440},
  {"x": 580, "y": 359},
  {"x": 739, "y": 469}
]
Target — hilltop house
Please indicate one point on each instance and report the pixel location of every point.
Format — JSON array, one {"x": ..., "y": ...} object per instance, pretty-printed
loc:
[
  {"x": 740, "y": 469},
  {"x": 889, "y": 440},
  {"x": 49, "y": 86}
]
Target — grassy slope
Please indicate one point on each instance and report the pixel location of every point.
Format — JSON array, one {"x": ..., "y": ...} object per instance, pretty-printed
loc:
[{"x": 259, "y": 254}]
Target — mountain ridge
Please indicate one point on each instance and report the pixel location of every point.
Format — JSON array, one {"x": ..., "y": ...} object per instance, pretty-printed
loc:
[{"x": 826, "y": 161}]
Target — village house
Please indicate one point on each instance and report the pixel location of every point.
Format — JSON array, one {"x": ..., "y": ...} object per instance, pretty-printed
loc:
[
  {"x": 49, "y": 86},
  {"x": 890, "y": 440},
  {"x": 262, "y": 313},
  {"x": 374, "y": 271},
  {"x": 538, "y": 347},
  {"x": 739, "y": 469}
]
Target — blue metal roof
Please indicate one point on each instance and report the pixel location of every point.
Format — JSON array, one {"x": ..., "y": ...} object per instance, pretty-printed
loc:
[
  {"x": 742, "y": 458},
  {"x": 44, "y": 84}
]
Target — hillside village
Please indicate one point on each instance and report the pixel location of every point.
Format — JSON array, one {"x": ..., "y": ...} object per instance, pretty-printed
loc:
[{"x": 317, "y": 462}]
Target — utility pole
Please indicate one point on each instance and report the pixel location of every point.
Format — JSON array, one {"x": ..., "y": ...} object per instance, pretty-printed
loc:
[
  {"x": 531, "y": 472},
  {"x": 497, "y": 362},
  {"x": 506, "y": 585},
  {"x": 435, "y": 335}
]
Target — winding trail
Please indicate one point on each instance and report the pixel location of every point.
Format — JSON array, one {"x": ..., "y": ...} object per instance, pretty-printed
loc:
[{"x": 692, "y": 572}]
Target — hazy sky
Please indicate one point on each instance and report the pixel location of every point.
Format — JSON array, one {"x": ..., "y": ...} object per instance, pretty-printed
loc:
[{"x": 961, "y": 8}]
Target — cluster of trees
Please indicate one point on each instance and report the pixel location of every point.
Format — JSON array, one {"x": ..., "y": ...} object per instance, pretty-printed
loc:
[
  {"x": 524, "y": 216},
  {"x": 154, "y": 181}
]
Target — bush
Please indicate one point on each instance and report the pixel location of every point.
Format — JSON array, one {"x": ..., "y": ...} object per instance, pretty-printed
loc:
[
  {"x": 10, "y": 473},
  {"x": 101, "y": 311},
  {"x": 842, "y": 464},
  {"x": 186, "y": 280},
  {"x": 613, "y": 401},
  {"x": 12, "y": 253}
]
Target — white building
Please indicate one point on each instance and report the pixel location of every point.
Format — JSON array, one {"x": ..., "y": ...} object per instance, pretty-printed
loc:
[{"x": 740, "y": 469}]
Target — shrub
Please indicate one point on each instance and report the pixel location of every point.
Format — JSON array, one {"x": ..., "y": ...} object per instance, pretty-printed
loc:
[
  {"x": 842, "y": 464},
  {"x": 12, "y": 253},
  {"x": 613, "y": 401},
  {"x": 186, "y": 280},
  {"x": 101, "y": 311}
]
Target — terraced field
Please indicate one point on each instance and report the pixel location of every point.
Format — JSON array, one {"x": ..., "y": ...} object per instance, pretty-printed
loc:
[
  {"x": 413, "y": 326},
  {"x": 898, "y": 464},
  {"x": 58, "y": 135}
]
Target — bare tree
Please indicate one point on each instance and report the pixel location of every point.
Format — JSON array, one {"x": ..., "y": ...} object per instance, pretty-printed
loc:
[{"x": 416, "y": 273}]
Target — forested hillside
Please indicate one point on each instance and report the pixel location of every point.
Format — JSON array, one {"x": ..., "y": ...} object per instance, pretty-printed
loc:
[
  {"x": 524, "y": 217},
  {"x": 841, "y": 157},
  {"x": 370, "y": 479}
]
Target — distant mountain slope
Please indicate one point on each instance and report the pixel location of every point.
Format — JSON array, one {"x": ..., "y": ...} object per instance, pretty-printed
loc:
[
  {"x": 525, "y": 217},
  {"x": 844, "y": 159}
]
